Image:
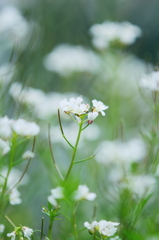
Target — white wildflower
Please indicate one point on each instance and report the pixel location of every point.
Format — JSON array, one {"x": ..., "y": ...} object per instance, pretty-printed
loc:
[
  {"x": 4, "y": 147},
  {"x": 83, "y": 193},
  {"x": 12, "y": 235},
  {"x": 27, "y": 232},
  {"x": 151, "y": 81},
  {"x": 25, "y": 128},
  {"x": 28, "y": 154},
  {"x": 99, "y": 107},
  {"x": 106, "y": 228},
  {"x": 91, "y": 226},
  {"x": 2, "y": 227},
  {"x": 92, "y": 116},
  {"x": 14, "y": 197},
  {"x": 66, "y": 59},
  {"x": 56, "y": 193},
  {"x": 115, "y": 238}
]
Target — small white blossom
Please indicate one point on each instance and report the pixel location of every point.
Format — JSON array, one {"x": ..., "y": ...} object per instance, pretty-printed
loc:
[
  {"x": 4, "y": 147},
  {"x": 115, "y": 238},
  {"x": 83, "y": 193},
  {"x": 14, "y": 197},
  {"x": 25, "y": 128},
  {"x": 12, "y": 235},
  {"x": 99, "y": 107},
  {"x": 91, "y": 226},
  {"x": 106, "y": 228},
  {"x": 92, "y": 116},
  {"x": 2, "y": 227},
  {"x": 28, "y": 154},
  {"x": 27, "y": 232},
  {"x": 56, "y": 193}
]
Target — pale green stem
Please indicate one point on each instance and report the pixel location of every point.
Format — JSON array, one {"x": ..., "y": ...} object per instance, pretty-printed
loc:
[
  {"x": 74, "y": 221},
  {"x": 50, "y": 229},
  {"x": 75, "y": 150}
]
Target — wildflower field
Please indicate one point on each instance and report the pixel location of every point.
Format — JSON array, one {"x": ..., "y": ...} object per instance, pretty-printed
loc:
[{"x": 79, "y": 120}]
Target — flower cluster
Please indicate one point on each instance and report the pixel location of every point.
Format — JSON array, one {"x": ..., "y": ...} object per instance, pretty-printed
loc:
[
  {"x": 80, "y": 109},
  {"x": 107, "y": 32},
  {"x": 20, "y": 126},
  {"x": 105, "y": 228},
  {"x": 22, "y": 232}
]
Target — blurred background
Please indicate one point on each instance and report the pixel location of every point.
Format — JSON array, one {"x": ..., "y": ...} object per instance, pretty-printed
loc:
[{"x": 47, "y": 53}]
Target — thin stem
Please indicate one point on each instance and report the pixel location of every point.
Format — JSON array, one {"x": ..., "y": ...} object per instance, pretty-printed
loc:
[
  {"x": 52, "y": 155},
  {"x": 62, "y": 132},
  {"x": 75, "y": 150},
  {"x": 10, "y": 221},
  {"x": 26, "y": 168},
  {"x": 74, "y": 220},
  {"x": 42, "y": 228}
]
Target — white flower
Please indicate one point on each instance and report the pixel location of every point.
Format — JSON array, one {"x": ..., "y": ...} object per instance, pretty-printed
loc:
[
  {"x": 28, "y": 154},
  {"x": 25, "y": 128},
  {"x": 27, "y": 232},
  {"x": 12, "y": 235},
  {"x": 74, "y": 105},
  {"x": 115, "y": 238},
  {"x": 5, "y": 128},
  {"x": 107, "y": 32},
  {"x": 92, "y": 116},
  {"x": 56, "y": 193},
  {"x": 151, "y": 81},
  {"x": 2, "y": 227},
  {"x": 99, "y": 107},
  {"x": 83, "y": 193},
  {"x": 14, "y": 197},
  {"x": 66, "y": 59},
  {"x": 91, "y": 226},
  {"x": 4, "y": 147},
  {"x": 107, "y": 228}
]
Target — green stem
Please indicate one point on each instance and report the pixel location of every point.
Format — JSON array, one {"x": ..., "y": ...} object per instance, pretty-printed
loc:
[
  {"x": 50, "y": 229},
  {"x": 74, "y": 220},
  {"x": 75, "y": 150}
]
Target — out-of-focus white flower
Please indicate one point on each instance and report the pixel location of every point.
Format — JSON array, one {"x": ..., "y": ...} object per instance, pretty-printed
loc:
[
  {"x": 4, "y": 147},
  {"x": 104, "y": 33},
  {"x": 56, "y": 193},
  {"x": 27, "y": 232},
  {"x": 92, "y": 116},
  {"x": 28, "y": 154},
  {"x": 12, "y": 235},
  {"x": 83, "y": 193},
  {"x": 2, "y": 227},
  {"x": 5, "y": 128},
  {"x": 14, "y": 197},
  {"x": 99, "y": 107},
  {"x": 13, "y": 25},
  {"x": 121, "y": 152},
  {"x": 25, "y": 128},
  {"x": 66, "y": 59},
  {"x": 91, "y": 226},
  {"x": 74, "y": 106},
  {"x": 151, "y": 81},
  {"x": 106, "y": 228},
  {"x": 141, "y": 185}
]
